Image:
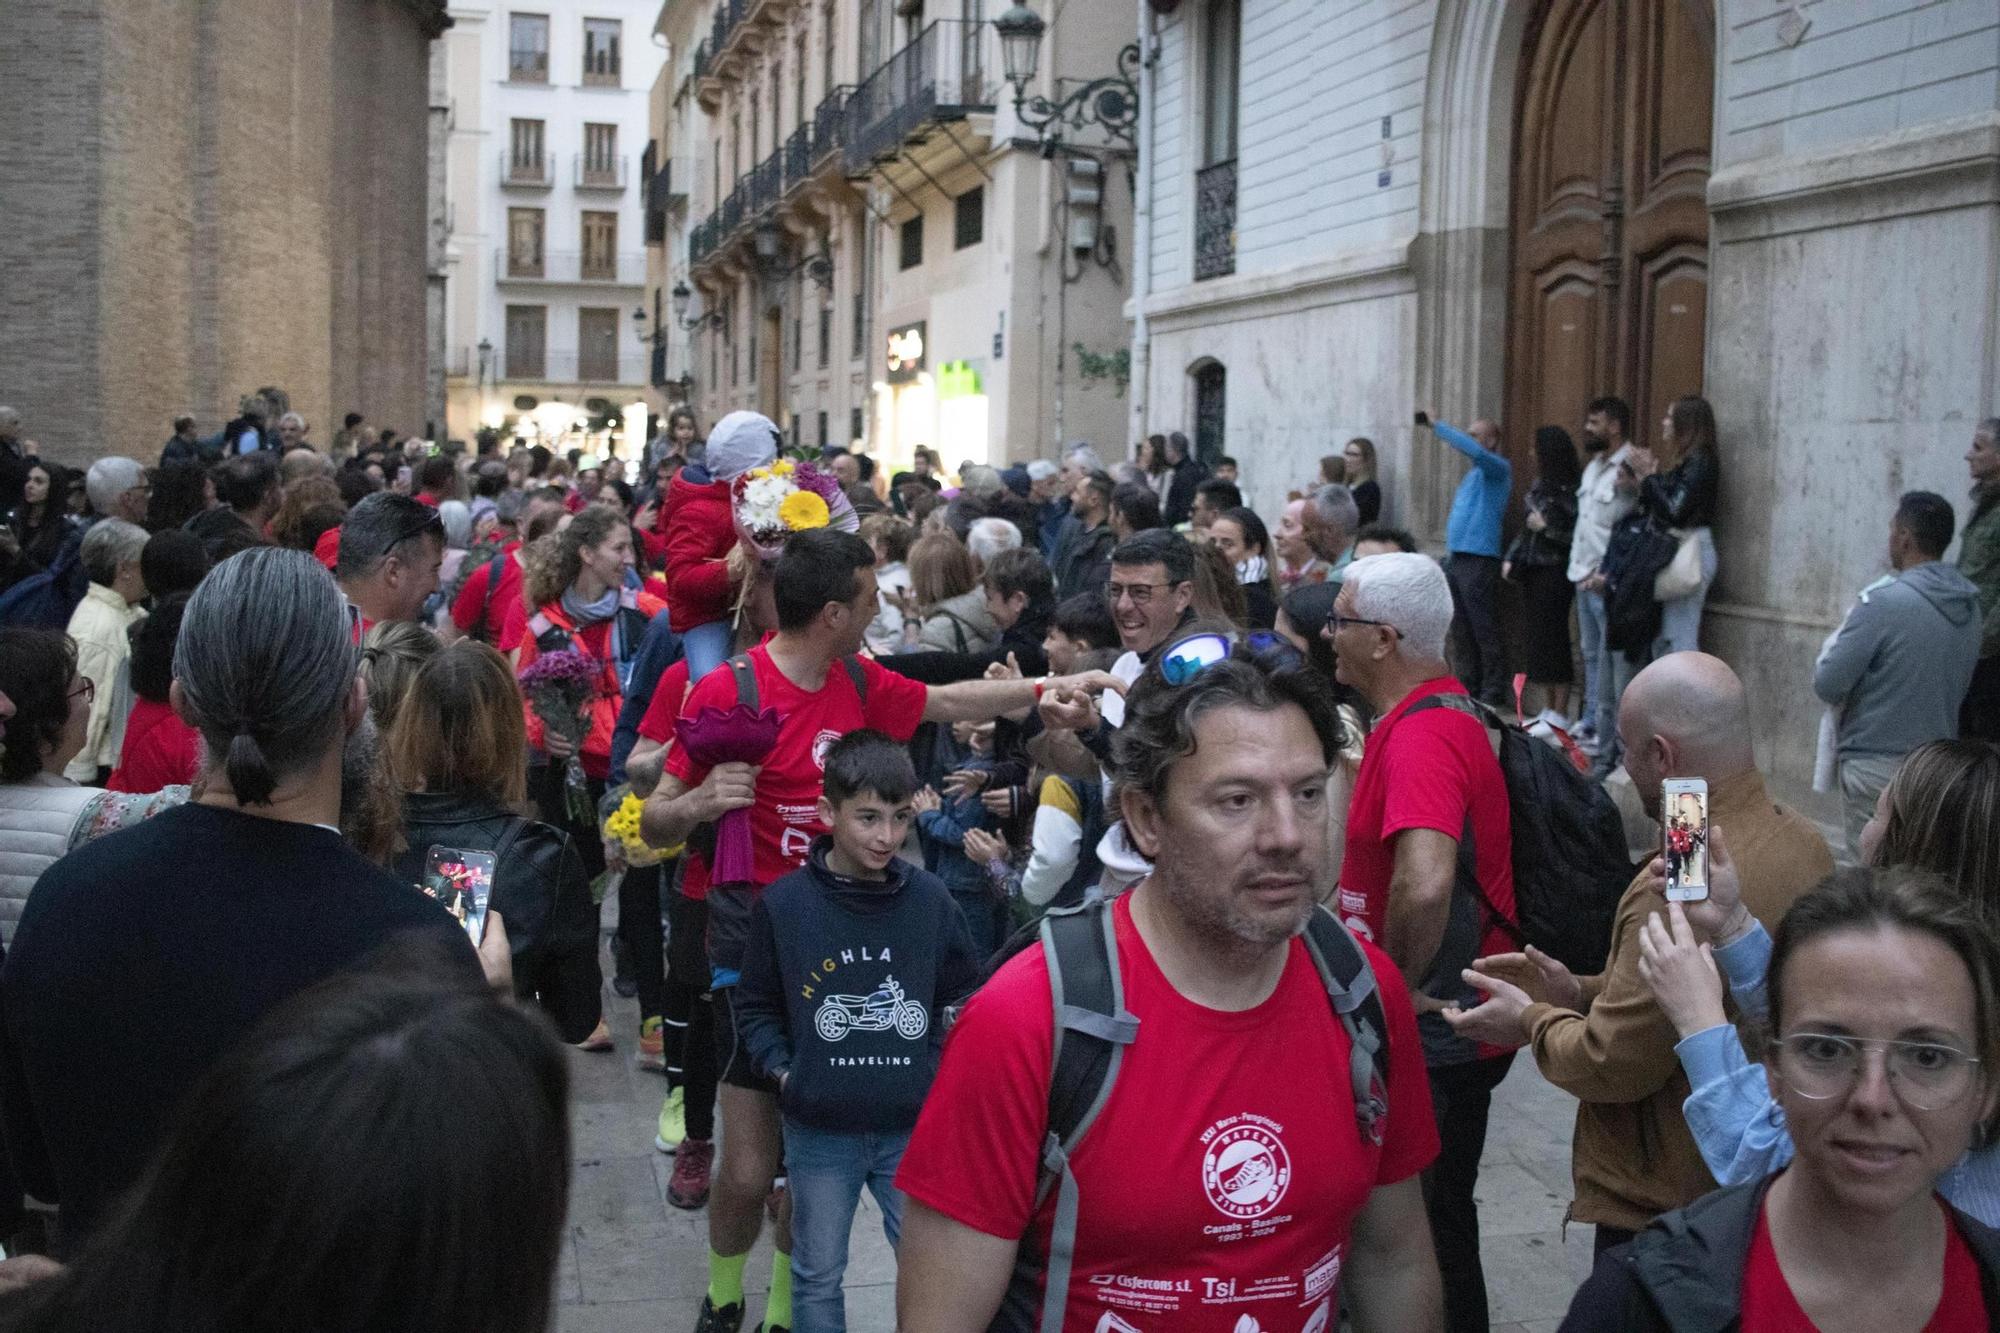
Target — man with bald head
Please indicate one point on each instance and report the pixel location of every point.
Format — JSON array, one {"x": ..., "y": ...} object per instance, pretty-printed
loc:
[
  {"x": 1472, "y": 554},
  {"x": 1603, "y": 1038}
]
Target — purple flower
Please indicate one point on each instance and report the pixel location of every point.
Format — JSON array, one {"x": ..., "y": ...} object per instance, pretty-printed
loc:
[
  {"x": 564, "y": 670},
  {"x": 823, "y": 484}
]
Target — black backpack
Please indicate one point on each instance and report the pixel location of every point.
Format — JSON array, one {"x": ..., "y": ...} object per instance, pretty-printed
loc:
[
  {"x": 1569, "y": 857},
  {"x": 1092, "y": 1028}
]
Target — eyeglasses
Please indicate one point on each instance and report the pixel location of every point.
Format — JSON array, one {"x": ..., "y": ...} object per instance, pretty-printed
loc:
[
  {"x": 1927, "y": 1075},
  {"x": 1336, "y": 622},
  {"x": 84, "y": 689},
  {"x": 1140, "y": 593}
]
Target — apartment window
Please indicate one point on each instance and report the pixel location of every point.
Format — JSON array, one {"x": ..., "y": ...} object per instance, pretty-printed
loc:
[
  {"x": 528, "y": 48},
  {"x": 524, "y": 154},
  {"x": 968, "y": 222},
  {"x": 853, "y": 425},
  {"x": 600, "y": 247},
  {"x": 827, "y": 35},
  {"x": 799, "y": 77},
  {"x": 1223, "y": 39},
  {"x": 798, "y": 342},
  {"x": 825, "y": 340},
  {"x": 910, "y": 247},
  {"x": 600, "y": 154},
  {"x": 752, "y": 340},
  {"x": 715, "y": 170},
  {"x": 597, "y": 345},
  {"x": 600, "y": 53},
  {"x": 527, "y": 351},
  {"x": 756, "y": 126},
  {"x": 525, "y": 231},
  {"x": 822, "y": 430},
  {"x": 865, "y": 264},
  {"x": 735, "y": 150}
]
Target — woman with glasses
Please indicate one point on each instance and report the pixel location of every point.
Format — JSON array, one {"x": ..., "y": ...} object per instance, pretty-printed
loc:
[
  {"x": 1940, "y": 815},
  {"x": 39, "y": 807},
  {"x": 1886, "y": 1025}
]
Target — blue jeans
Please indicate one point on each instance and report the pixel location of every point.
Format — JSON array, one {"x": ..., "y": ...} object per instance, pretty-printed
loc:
[
  {"x": 1680, "y": 619},
  {"x": 826, "y": 1171},
  {"x": 707, "y": 647},
  {"x": 1590, "y": 633}
]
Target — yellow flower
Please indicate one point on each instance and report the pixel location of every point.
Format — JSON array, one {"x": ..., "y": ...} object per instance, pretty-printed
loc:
[
  {"x": 802, "y": 510},
  {"x": 782, "y": 468}
]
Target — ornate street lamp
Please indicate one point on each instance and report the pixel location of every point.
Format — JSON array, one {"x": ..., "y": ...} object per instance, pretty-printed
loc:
[
  {"x": 767, "y": 242},
  {"x": 678, "y": 299},
  {"x": 1111, "y": 102}
]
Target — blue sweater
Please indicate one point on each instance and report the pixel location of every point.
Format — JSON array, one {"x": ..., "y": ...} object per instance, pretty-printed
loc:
[
  {"x": 1474, "y": 525},
  {"x": 843, "y": 981}
]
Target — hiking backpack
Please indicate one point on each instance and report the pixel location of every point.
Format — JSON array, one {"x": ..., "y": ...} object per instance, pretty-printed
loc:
[
  {"x": 1092, "y": 1030},
  {"x": 1569, "y": 857},
  {"x": 47, "y": 598},
  {"x": 746, "y": 679}
]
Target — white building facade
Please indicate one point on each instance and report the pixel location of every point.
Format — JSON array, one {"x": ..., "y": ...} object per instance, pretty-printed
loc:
[
  {"x": 1506, "y": 207},
  {"x": 546, "y": 255}
]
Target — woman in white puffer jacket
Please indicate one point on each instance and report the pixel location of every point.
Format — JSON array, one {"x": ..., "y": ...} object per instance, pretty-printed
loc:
[{"x": 42, "y": 813}]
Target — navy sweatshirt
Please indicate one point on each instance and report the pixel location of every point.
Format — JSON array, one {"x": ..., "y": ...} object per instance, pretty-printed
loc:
[{"x": 843, "y": 983}]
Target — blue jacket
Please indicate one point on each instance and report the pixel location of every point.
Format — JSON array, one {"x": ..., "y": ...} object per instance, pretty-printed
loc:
[
  {"x": 660, "y": 649},
  {"x": 1474, "y": 525}
]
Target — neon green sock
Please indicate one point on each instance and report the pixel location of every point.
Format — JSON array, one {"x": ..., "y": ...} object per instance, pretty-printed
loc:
[
  {"x": 725, "y": 1279},
  {"x": 778, "y": 1309}
]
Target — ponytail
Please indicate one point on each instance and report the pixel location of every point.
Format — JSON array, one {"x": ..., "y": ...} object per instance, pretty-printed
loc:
[{"x": 249, "y": 776}]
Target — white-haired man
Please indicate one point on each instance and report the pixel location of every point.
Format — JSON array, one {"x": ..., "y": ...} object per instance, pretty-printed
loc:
[
  {"x": 110, "y": 555},
  {"x": 1428, "y": 781},
  {"x": 1050, "y": 498},
  {"x": 118, "y": 488},
  {"x": 988, "y": 537}
]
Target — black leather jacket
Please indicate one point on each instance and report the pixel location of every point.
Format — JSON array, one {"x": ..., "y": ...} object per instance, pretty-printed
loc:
[
  {"x": 540, "y": 887},
  {"x": 1685, "y": 496}
]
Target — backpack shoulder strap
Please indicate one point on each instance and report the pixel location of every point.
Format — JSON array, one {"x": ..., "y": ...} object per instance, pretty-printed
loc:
[
  {"x": 1357, "y": 1004},
  {"x": 746, "y": 680},
  {"x": 857, "y": 677},
  {"x": 493, "y": 571},
  {"x": 1092, "y": 1028}
]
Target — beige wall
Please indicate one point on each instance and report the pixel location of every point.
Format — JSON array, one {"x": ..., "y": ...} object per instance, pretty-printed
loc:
[{"x": 199, "y": 206}]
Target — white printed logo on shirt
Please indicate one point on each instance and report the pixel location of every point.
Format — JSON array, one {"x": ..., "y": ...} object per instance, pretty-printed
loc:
[
  {"x": 1245, "y": 1170},
  {"x": 883, "y": 1011}
]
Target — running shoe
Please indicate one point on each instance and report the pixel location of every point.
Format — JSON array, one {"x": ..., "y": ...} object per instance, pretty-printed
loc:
[
  {"x": 652, "y": 1049},
  {"x": 598, "y": 1040},
  {"x": 726, "y": 1320},
  {"x": 687, "y": 1187},
  {"x": 673, "y": 1121}
]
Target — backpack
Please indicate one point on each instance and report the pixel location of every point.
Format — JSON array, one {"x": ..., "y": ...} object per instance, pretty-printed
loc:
[
  {"x": 46, "y": 599},
  {"x": 1092, "y": 1029},
  {"x": 746, "y": 679},
  {"x": 1569, "y": 858}
]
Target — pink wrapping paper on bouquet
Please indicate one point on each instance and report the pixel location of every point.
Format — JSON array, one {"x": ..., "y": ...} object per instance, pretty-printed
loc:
[{"x": 734, "y": 735}]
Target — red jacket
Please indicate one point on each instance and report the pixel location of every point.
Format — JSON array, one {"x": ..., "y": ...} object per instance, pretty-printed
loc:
[{"x": 700, "y": 530}]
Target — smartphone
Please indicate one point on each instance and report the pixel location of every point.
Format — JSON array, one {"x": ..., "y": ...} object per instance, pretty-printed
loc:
[
  {"x": 1684, "y": 838},
  {"x": 1423, "y": 418},
  {"x": 463, "y": 882}
]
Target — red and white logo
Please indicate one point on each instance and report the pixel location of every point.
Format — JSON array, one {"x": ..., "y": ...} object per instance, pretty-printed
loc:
[
  {"x": 821, "y": 744},
  {"x": 1246, "y": 1170}
]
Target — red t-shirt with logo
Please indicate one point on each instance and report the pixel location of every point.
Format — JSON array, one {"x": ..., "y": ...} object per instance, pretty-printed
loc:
[
  {"x": 501, "y": 613},
  {"x": 1428, "y": 772},
  {"x": 785, "y": 819},
  {"x": 1770, "y": 1307},
  {"x": 1220, "y": 1181}
]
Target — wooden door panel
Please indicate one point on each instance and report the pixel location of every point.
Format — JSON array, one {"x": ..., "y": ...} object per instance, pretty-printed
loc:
[
  {"x": 1673, "y": 113},
  {"x": 1562, "y": 342},
  {"x": 1672, "y": 295}
]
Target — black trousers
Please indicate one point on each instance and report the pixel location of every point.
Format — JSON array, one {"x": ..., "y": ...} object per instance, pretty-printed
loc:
[
  {"x": 687, "y": 1013},
  {"x": 1475, "y": 624},
  {"x": 645, "y": 938},
  {"x": 1461, "y": 1096}
]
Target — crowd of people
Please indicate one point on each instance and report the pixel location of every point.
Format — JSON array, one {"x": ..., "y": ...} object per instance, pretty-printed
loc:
[{"x": 1122, "y": 887}]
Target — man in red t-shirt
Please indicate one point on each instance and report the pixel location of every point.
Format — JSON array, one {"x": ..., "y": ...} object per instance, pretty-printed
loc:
[
  {"x": 825, "y": 597},
  {"x": 1225, "y": 1184},
  {"x": 489, "y": 604},
  {"x": 1429, "y": 776}
]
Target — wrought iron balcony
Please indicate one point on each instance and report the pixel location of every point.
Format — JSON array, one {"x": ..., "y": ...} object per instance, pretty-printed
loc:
[
  {"x": 829, "y": 119},
  {"x": 702, "y": 240},
  {"x": 951, "y": 69},
  {"x": 564, "y": 366},
  {"x": 1215, "y": 221},
  {"x": 532, "y": 173},
  {"x": 798, "y": 157},
  {"x": 763, "y": 185},
  {"x": 601, "y": 173},
  {"x": 624, "y": 269},
  {"x": 731, "y": 212},
  {"x": 702, "y": 59}
]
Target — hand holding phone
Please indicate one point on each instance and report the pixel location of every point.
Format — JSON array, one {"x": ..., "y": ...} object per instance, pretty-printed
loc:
[
  {"x": 1684, "y": 838},
  {"x": 463, "y": 882}
]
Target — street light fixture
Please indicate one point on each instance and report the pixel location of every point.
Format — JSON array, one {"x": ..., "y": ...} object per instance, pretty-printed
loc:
[
  {"x": 1111, "y": 102},
  {"x": 767, "y": 242},
  {"x": 678, "y": 299}
]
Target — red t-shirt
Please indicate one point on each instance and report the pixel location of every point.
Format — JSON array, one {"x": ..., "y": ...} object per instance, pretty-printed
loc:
[
  {"x": 1427, "y": 773},
  {"x": 160, "y": 749},
  {"x": 1223, "y": 1175},
  {"x": 785, "y": 819},
  {"x": 658, "y": 725},
  {"x": 501, "y": 613},
  {"x": 1770, "y": 1307}
]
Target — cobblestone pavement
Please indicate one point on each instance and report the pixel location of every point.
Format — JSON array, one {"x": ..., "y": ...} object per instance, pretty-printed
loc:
[{"x": 632, "y": 1264}]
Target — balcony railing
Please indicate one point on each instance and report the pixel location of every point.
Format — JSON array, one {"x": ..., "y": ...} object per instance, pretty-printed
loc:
[
  {"x": 601, "y": 173},
  {"x": 950, "y": 69},
  {"x": 625, "y": 269},
  {"x": 536, "y": 173},
  {"x": 572, "y": 367},
  {"x": 798, "y": 157},
  {"x": 702, "y": 58},
  {"x": 703, "y": 239},
  {"x": 764, "y": 183},
  {"x": 731, "y": 211},
  {"x": 1215, "y": 221},
  {"x": 829, "y": 120}
]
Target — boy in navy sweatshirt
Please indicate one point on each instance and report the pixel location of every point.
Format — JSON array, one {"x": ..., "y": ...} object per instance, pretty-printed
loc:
[{"x": 850, "y": 965}]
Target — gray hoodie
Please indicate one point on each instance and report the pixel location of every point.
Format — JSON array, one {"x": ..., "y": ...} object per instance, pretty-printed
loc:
[{"x": 1899, "y": 667}]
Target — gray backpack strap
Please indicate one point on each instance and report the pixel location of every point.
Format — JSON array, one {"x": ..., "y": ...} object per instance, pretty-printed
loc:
[
  {"x": 746, "y": 680},
  {"x": 857, "y": 677},
  {"x": 1357, "y": 1003},
  {"x": 1092, "y": 1029}
]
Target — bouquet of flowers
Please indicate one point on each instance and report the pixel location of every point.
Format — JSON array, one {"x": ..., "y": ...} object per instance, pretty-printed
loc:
[
  {"x": 560, "y": 687},
  {"x": 721, "y": 736},
  {"x": 621, "y": 826},
  {"x": 773, "y": 502}
]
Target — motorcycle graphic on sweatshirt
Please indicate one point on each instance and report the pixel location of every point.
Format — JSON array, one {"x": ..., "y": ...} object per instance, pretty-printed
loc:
[{"x": 883, "y": 1011}]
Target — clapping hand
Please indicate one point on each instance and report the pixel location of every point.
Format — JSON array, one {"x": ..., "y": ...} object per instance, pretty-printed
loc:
[
  {"x": 1498, "y": 1019},
  {"x": 985, "y": 848},
  {"x": 964, "y": 782},
  {"x": 1681, "y": 972},
  {"x": 1539, "y": 976},
  {"x": 926, "y": 801}
]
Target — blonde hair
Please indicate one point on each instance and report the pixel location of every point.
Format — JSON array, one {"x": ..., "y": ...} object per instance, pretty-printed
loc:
[
  {"x": 390, "y": 657},
  {"x": 941, "y": 568}
]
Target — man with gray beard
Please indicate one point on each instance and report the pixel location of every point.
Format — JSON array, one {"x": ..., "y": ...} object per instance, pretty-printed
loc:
[{"x": 141, "y": 956}]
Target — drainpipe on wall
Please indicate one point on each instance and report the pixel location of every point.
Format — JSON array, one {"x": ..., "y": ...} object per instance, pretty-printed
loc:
[{"x": 1142, "y": 224}]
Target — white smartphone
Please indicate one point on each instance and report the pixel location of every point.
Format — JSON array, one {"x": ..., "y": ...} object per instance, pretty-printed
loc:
[{"x": 1684, "y": 837}]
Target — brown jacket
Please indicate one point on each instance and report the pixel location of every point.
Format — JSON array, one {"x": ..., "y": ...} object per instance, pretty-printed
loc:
[{"x": 1634, "y": 1157}]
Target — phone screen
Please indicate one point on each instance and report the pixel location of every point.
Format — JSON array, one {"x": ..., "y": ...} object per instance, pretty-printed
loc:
[
  {"x": 1684, "y": 837},
  {"x": 463, "y": 882}
]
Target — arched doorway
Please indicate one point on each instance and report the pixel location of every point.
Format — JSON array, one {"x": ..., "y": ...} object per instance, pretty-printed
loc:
[
  {"x": 1609, "y": 215},
  {"x": 1211, "y": 410}
]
